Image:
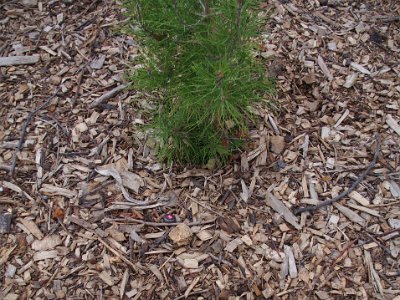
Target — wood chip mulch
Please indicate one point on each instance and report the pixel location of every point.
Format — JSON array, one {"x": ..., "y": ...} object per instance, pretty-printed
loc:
[{"x": 87, "y": 211}]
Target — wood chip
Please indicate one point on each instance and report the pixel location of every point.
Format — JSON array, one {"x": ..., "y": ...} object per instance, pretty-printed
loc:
[
  {"x": 359, "y": 68},
  {"x": 232, "y": 245},
  {"x": 47, "y": 243},
  {"x": 19, "y": 60},
  {"x": 354, "y": 217},
  {"x": 32, "y": 228},
  {"x": 43, "y": 255},
  {"x": 359, "y": 198},
  {"x": 280, "y": 208},
  {"x": 393, "y": 124},
  {"x": 324, "y": 68},
  {"x": 292, "y": 263},
  {"x": 106, "y": 277}
]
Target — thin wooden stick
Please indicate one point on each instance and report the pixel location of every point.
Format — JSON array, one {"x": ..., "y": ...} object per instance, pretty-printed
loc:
[
  {"x": 24, "y": 128},
  {"x": 99, "y": 101},
  {"x": 204, "y": 206},
  {"x": 121, "y": 256},
  {"x": 352, "y": 187},
  {"x": 155, "y": 224},
  {"x": 191, "y": 294}
]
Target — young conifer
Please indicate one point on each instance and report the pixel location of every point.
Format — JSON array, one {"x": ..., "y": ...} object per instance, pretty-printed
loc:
[{"x": 198, "y": 58}]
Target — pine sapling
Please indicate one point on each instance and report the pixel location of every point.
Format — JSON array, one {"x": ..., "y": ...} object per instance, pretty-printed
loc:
[{"x": 198, "y": 62}]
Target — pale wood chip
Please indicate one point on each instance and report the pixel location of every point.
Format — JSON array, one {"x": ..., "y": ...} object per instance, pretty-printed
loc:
[
  {"x": 19, "y": 60},
  {"x": 280, "y": 208},
  {"x": 191, "y": 286},
  {"x": 247, "y": 240},
  {"x": 204, "y": 235},
  {"x": 154, "y": 269},
  {"x": 360, "y": 68},
  {"x": 51, "y": 190},
  {"x": 292, "y": 263},
  {"x": 32, "y": 228},
  {"x": 354, "y": 217},
  {"x": 124, "y": 281},
  {"x": 393, "y": 124},
  {"x": 6, "y": 255},
  {"x": 350, "y": 80},
  {"x": 359, "y": 198},
  {"x": 324, "y": 68},
  {"x": 232, "y": 245},
  {"x": 373, "y": 275},
  {"x": 106, "y": 277},
  {"x": 189, "y": 263},
  {"x": 47, "y": 243},
  {"x": 364, "y": 209},
  {"x": 42, "y": 255}
]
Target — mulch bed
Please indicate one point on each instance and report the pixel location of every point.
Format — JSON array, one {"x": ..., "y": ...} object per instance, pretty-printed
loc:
[{"x": 87, "y": 211}]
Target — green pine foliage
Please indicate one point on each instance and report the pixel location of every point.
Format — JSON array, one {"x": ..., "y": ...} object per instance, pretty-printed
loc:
[{"x": 198, "y": 61}]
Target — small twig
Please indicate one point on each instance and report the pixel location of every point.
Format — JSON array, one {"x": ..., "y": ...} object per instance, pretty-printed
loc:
[
  {"x": 383, "y": 234},
  {"x": 191, "y": 294},
  {"x": 96, "y": 189},
  {"x": 99, "y": 101},
  {"x": 24, "y": 169},
  {"x": 352, "y": 187},
  {"x": 220, "y": 260},
  {"x": 24, "y": 128},
  {"x": 155, "y": 224},
  {"x": 156, "y": 243},
  {"x": 79, "y": 83},
  {"x": 380, "y": 244},
  {"x": 121, "y": 256},
  {"x": 386, "y": 18},
  {"x": 204, "y": 206}
]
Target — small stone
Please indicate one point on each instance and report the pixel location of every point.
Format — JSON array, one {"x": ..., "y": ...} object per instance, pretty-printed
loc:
[
  {"x": 33, "y": 35},
  {"x": 394, "y": 223},
  {"x": 189, "y": 263},
  {"x": 81, "y": 127},
  {"x": 98, "y": 62},
  {"x": 350, "y": 80},
  {"x": 181, "y": 235},
  {"x": 347, "y": 263},
  {"x": 332, "y": 46},
  {"x": 5, "y": 222},
  {"x": 10, "y": 271},
  {"x": 56, "y": 80},
  {"x": 277, "y": 144},
  {"x": 280, "y": 164},
  {"x": 211, "y": 164},
  {"x": 29, "y": 3},
  {"x": 325, "y": 132}
]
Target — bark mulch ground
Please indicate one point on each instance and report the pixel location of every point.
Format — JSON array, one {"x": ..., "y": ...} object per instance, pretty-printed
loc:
[{"x": 87, "y": 211}]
